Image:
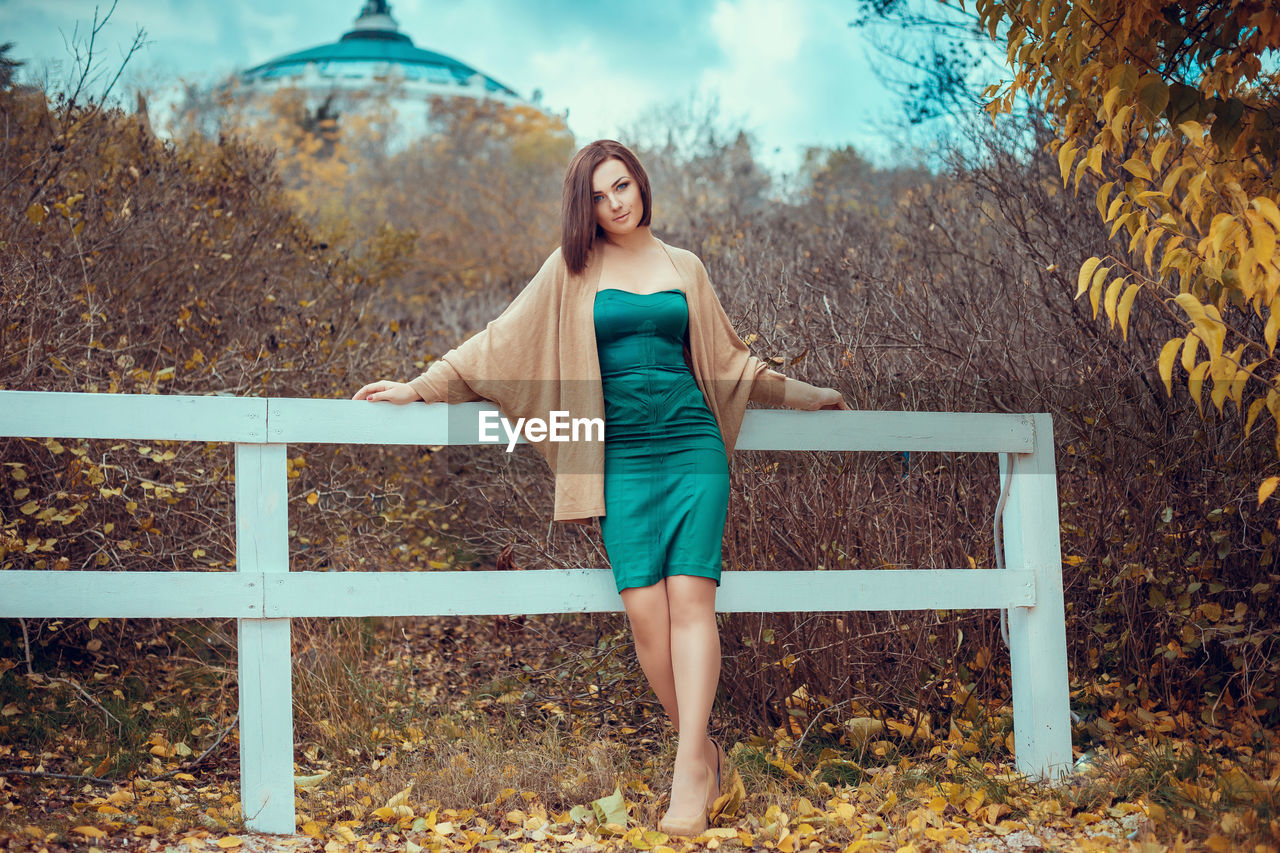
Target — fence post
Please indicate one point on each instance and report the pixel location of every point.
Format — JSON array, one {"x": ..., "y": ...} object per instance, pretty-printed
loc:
[
  {"x": 264, "y": 648},
  {"x": 1038, "y": 634}
]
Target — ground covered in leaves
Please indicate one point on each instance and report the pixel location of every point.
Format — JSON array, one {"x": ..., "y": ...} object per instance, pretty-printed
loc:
[{"x": 538, "y": 735}]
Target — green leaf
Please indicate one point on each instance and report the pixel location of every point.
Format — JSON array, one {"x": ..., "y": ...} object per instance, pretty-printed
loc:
[
  {"x": 1153, "y": 93},
  {"x": 611, "y": 809},
  {"x": 310, "y": 781}
]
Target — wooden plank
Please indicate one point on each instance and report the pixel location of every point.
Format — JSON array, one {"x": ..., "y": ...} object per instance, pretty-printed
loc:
[
  {"x": 262, "y": 508},
  {"x": 362, "y": 422},
  {"x": 266, "y": 725},
  {"x": 263, "y": 646},
  {"x": 296, "y": 420},
  {"x": 299, "y": 421},
  {"x": 975, "y": 432},
  {"x": 130, "y": 595},
  {"x": 149, "y": 417},
  {"x": 593, "y": 591},
  {"x": 241, "y": 594},
  {"x": 1038, "y": 634}
]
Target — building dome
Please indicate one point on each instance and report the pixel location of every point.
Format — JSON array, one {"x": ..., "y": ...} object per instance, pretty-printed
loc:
[
  {"x": 370, "y": 51},
  {"x": 375, "y": 58}
]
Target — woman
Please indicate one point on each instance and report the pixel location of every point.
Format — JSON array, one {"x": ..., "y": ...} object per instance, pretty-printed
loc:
[{"x": 619, "y": 325}]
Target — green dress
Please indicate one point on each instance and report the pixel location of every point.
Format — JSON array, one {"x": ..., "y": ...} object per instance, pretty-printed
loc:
[{"x": 666, "y": 474}]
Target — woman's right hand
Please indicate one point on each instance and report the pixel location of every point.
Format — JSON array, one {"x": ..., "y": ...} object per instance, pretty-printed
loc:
[{"x": 389, "y": 392}]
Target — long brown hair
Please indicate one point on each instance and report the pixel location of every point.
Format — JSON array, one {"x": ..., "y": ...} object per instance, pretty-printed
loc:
[{"x": 578, "y": 226}]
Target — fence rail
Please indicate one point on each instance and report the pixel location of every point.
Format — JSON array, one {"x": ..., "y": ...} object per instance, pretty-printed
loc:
[{"x": 263, "y": 595}]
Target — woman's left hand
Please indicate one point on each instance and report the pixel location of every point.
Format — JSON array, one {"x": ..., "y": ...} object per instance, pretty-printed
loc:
[
  {"x": 808, "y": 398},
  {"x": 829, "y": 398}
]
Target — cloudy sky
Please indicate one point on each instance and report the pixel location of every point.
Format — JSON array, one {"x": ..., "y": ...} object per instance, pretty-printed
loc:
[{"x": 790, "y": 71}]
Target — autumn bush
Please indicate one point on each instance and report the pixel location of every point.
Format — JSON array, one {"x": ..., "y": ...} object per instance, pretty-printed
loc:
[{"x": 134, "y": 265}]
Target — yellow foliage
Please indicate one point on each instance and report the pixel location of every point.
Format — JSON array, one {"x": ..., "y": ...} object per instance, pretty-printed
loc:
[{"x": 1191, "y": 145}]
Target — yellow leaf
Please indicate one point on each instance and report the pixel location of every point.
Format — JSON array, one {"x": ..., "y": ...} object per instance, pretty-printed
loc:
[
  {"x": 862, "y": 729},
  {"x": 1192, "y": 306},
  {"x": 313, "y": 499},
  {"x": 1222, "y": 229},
  {"x": 1100, "y": 200},
  {"x": 1094, "y": 159},
  {"x": 1138, "y": 168},
  {"x": 733, "y": 793},
  {"x": 400, "y": 797},
  {"x": 1265, "y": 490},
  {"x": 1267, "y": 208},
  {"x": 1109, "y": 100},
  {"x": 1167, "y": 356},
  {"x": 1241, "y": 377},
  {"x": 229, "y": 842},
  {"x": 1153, "y": 239},
  {"x": 1171, "y": 179},
  {"x": 1222, "y": 370},
  {"x": 1095, "y": 289},
  {"x": 1121, "y": 222},
  {"x": 1270, "y": 332},
  {"x": 90, "y": 831},
  {"x": 1125, "y": 306},
  {"x": 1194, "y": 132},
  {"x": 1195, "y": 384},
  {"x": 1065, "y": 155},
  {"x": 1086, "y": 273},
  {"x": 1157, "y": 157},
  {"x": 1111, "y": 298},
  {"x": 36, "y": 213},
  {"x": 1254, "y": 409}
]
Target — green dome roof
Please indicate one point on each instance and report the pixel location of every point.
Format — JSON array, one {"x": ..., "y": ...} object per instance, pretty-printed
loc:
[{"x": 376, "y": 39}]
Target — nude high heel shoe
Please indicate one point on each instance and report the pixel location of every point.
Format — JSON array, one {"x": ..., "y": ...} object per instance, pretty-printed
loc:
[
  {"x": 697, "y": 824},
  {"x": 720, "y": 762}
]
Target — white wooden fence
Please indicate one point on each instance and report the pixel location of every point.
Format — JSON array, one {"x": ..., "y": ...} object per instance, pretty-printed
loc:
[{"x": 262, "y": 594}]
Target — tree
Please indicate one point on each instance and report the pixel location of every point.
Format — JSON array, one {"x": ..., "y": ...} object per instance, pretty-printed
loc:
[
  {"x": 1171, "y": 107},
  {"x": 7, "y": 65}
]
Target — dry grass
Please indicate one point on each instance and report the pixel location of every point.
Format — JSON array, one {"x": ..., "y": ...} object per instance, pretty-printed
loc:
[{"x": 488, "y": 763}]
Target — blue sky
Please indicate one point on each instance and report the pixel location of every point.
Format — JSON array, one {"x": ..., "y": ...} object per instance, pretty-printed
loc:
[{"x": 790, "y": 71}]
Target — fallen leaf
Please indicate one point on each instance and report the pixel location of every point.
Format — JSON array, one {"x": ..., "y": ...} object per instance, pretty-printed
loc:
[
  {"x": 310, "y": 781},
  {"x": 611, "y": 809},
  {"x": 400, "y": 797}
]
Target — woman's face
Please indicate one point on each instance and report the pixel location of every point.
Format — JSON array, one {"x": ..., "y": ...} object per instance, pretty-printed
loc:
[{"x": 615, "y": 197}]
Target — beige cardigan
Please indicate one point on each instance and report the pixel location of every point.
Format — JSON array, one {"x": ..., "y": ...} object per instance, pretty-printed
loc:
[{"x": 539, "y": 355}]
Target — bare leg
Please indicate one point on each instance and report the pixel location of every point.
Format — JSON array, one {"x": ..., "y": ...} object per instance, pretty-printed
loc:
[
  {"x": 695, "y": 668},
  {"x": 648, "y": 611},
  {"x": 651, "y": 629}
]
